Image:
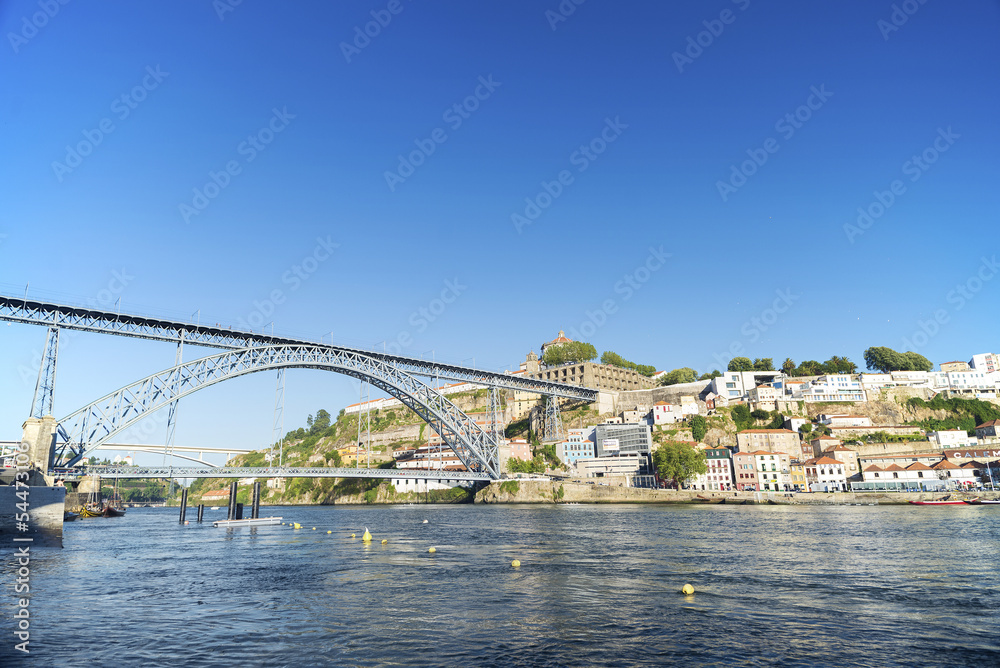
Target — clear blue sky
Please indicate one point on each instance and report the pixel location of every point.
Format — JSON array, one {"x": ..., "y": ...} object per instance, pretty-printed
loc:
[{"x": 341, "y": 116}]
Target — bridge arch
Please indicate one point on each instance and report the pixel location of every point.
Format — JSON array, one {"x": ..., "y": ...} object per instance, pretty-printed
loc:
[{"x": 95, "y": 424}]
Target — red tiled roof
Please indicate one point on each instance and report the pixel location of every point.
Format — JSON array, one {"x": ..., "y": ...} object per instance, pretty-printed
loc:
[
  {"x": 873, "y": 467},
  {"x": 991, "y": 423},
  {"x": 944, "y": 464},
  {"x": 893, "y": 467},
  {"x": 917, "y": 466}
]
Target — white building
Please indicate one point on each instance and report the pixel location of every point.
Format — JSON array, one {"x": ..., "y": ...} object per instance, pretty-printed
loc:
[
  {"x": 664, "y": 413},
  {"x": 825, "y": 474},
  {"x": 735, "y": 385},
  {"x": 845, "y": 420},
  {"x": 832, "y": 387},
  {"x": 988, "y": 362},
  {"x": 773, "y": 471},
  {"x": 952, "y": 438}
]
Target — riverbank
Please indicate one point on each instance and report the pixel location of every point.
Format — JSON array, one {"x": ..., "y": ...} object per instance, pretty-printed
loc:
[{"x": 537, "y": 491}]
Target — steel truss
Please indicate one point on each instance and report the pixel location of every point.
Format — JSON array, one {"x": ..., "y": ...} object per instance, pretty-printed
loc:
[
  {"x": 553, "y": 420},
  {"x": 266, "y": 472},
  {"x": 45, "y": 386},
  {"x": 123, "y": 324},
  {"x": 94, "y": 424}
]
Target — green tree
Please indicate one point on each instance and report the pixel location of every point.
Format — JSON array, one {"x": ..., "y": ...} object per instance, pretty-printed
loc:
[
  {"x": 806, "y": 428},
  {"x": 699, "y": 427},
  {"x": 678, "y": 462},
  {"x": 886, "y": 360},
  {"x": 682, "y": 375},
  {"x": 574, "y": 351},
  {"x": 839, "y": 365},
  {"x": 715, "y": 373},
  {"x": 760, "y": 414},
  {"x": 763, "y": 364},
  {"x": 320, "y": 423},
  {"x": 614, "y": 359},
  {"x": 740, "y": 364},
  {"x": 810, "y": 368},
  {"x": 788, "y": 367},
  {"x": 741, "y": 416}
]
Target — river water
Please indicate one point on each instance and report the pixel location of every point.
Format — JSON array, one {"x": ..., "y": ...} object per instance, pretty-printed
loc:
[{"x": 597, "y": 585}]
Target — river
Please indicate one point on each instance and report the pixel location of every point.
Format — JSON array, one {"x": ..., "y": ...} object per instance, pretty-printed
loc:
[{"x": 598, "y": 585}]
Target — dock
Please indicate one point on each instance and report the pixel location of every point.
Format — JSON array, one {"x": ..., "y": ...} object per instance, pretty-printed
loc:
[{"x": 252, "y": 522}]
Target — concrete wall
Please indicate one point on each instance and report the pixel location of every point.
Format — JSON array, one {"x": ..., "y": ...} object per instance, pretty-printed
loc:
[{"x": 45, "y": 515}]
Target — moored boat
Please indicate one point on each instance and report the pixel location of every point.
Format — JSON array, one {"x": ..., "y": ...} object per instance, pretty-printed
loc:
[
  {"x": 982, "y": 502},
  {"x": 111, "y": 511},
  {"x": 951, "y": 502},
  {"x": 90, "y": 512}
]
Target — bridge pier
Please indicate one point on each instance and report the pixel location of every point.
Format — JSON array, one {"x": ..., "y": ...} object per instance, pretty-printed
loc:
[
  {"x": 184, "y": 505},
  {"x": 232, "y": 501},
  {"x": 40, "y": 435}
]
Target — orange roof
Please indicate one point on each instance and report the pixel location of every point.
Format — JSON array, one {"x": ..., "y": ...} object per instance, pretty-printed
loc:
[
  {"x": 873, "y": 467},
  {"x": 991, "y": 423},
  {"x": 560, "y": 339},
  {"x": 944, "y": 464},
  {"x": 893, "y": 467},
  {"x": 827, "y": 460},
  {"x": 917, "y": 466}
]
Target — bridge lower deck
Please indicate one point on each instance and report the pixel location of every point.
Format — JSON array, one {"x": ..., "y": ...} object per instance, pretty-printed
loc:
[{"x": 266, "y": 472}]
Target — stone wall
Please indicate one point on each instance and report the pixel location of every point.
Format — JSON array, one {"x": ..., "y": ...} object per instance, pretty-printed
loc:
[{"x": 45, "y": 515}]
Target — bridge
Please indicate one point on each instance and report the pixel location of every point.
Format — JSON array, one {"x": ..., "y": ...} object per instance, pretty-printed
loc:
[
  {"x": 174, "y": 450},
  {"x": 266, "y": 472},
  {"x": 76, "y": 435}
]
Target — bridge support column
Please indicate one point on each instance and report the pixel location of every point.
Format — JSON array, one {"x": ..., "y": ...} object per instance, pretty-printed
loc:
[
  {"x": 40, "y": 435},
  {"x": 184, "y": 504},
  {"x": 232, "y": 501},
  {"x": 201, "y": 512},
  {"x": 255, "y": 507},
  {"x": 553, "y": 421}
]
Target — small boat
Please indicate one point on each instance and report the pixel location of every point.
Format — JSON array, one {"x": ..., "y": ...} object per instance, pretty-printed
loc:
[
  {"x": 214, "y": 508},
  {"x": 952, "y": 502},
  {"x": 90, "y": 512},
  {"x": 982, "y": 502},
  {"x": 70, "y": 516},
  {"x": 111, "y": 511}
]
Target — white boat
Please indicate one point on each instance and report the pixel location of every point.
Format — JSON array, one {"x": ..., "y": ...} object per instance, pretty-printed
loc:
[
  {"x": 250, "y": 522},
  {"x": 214, "y": 508}
]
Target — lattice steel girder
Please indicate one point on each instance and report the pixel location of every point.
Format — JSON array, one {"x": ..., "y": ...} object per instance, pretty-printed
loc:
[
  {"x": 266, "y": 472},
  {"x": 123, "y": 324},
  {"x": 94, "y": 424}
]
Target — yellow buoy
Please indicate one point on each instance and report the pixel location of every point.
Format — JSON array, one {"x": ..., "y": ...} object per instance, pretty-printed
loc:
[
  {"x": 314, "y": 528},
  {"x": 367, "y": 537},
  {"x": 687, "y": 590},
  {"x": 432, "y": 550},
  {"x": 385, "y": 541},
  {"x": 329, "y": 532},
  {"x": 298, "y": 526},
  {"x": 353, "y": 536},
  {"x": 515, "y": 563}
]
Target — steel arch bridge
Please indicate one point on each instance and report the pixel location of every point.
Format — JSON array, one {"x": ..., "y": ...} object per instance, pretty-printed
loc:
[
  {"x": 95, "y": 424},
  {"x": 248, "y": 352}
]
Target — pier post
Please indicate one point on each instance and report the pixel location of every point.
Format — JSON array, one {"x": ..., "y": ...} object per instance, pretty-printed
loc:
[
  {"x": 255, "y": 508},
  {"x": 201, "y": 512},
  {"x": 184, "y": 503},
  {"x": 239, "y": 511},
  {"x": 232, "y": 501}
]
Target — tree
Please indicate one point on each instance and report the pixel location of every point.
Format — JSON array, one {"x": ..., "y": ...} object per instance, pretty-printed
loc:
[
  {"x": 709, "y": 376},
  {"x": 839, "y": 365},
  {"x": 682, "y": 375},
  {"x": 788, "y": 367},
  {"x": 320, "y": 423},
  {"x": 763, "y": 364},
  {"x": 760, "y": 414},
  {"x": 699, "y": 427},
  {"x": 574, "y": 351},
  {"x": 740, "y": 364},
  {"x": 678, "y": 462},
  {"x": 806, "y": 428},
  {"x": 614, "y": 359},
  {"x": 741, "y": 416},
  {"x": 810, "y": 368},
  {"x": 887, "y": 360}
]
